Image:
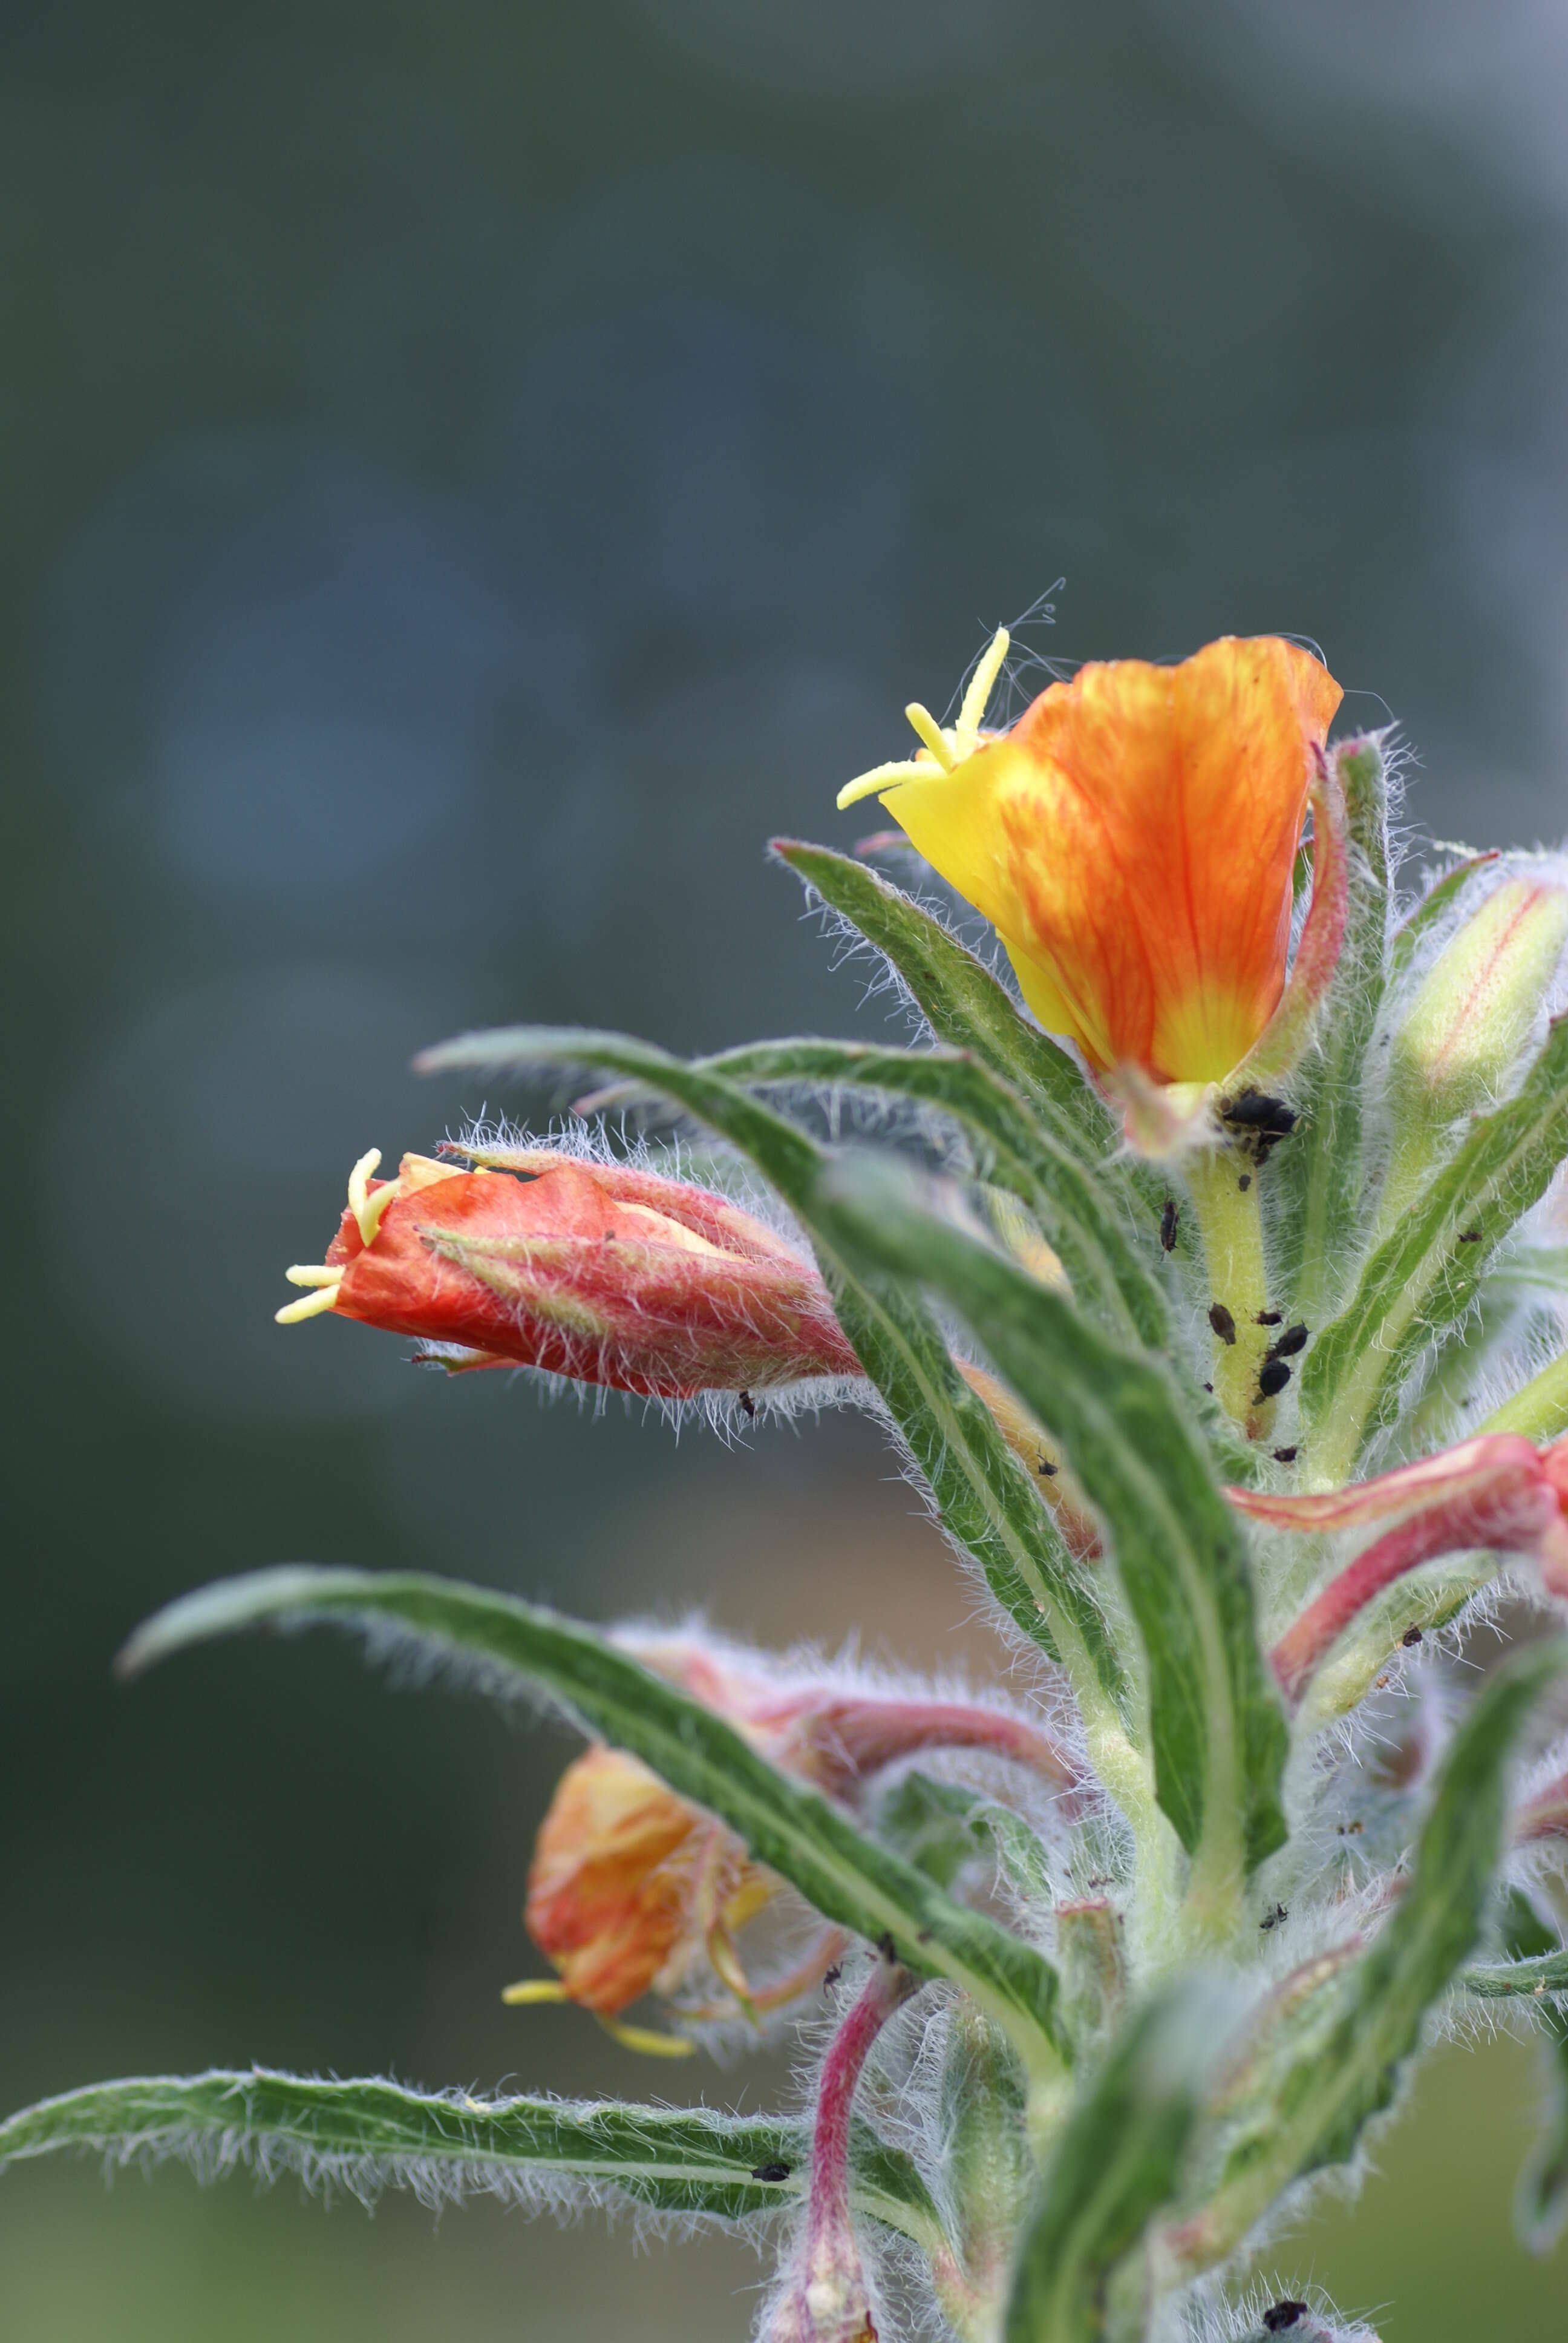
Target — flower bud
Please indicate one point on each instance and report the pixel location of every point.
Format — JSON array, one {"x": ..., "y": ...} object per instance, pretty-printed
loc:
[
  {"x": 594, "y": 1271},
  {"x": 1470, "y": 1018}
]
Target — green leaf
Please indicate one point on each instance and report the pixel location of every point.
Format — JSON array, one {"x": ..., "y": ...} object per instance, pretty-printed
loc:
[
  {"x": 1432, "y": 908},
  {"x": 1318, "y": 1179},
  {"x": 960, "y": 1000},
  {"x": 1513, "y": 1980},
  {"x": 1079, "y": 1213},
  {"x": 1541, "y": 2198},
  {"x": 940, "y": 1827},
  {"x": 1219, "y": 1735},
  {"x": 1349, "y": 2041},
  {"x": 982, "y": 1492},
  {"x": 367, "y": 2135},
  {"x": 1118, "y": 2160},
  {"x": 791, "y": 1828},
  {"x": 1423, "y": 1279}
]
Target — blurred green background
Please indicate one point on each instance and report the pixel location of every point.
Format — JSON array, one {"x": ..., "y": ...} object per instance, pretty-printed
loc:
[{"x": 470, "y": 473}]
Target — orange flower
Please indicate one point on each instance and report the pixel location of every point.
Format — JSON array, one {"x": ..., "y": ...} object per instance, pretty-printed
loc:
[
  {"x": 597, "y": 1271},
  {"x": 1132, "y": 840},
  {"x": 631, "y": 1890}
]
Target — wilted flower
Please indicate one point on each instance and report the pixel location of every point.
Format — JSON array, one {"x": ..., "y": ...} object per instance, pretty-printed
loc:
[
  {"x": 1133, "y": 840},
  {"x": 595, "y": 1271},
  {"x": 1495, "y": 1494}
]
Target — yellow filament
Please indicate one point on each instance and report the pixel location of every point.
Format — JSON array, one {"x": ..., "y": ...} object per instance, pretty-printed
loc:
[
  {"x": 367, "y": 1211},
  {"x": 534, "y": 1989},
  {"x": 982, "y": 683},
  {"x": 886, "y": 777},
  {"x": 651, "y": 2046},
  {"x": 312, "y": 1305},
  {"x": 312, "y": 1273},
  {"x": 931, "y": 733}
]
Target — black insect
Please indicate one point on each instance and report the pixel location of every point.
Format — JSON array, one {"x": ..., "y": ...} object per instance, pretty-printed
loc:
[
  {"x": 1208, "y": 1387},
  {"x": 1470, "y": 1236},
  {"x": 1168, "y": 1221},
  {"x": 1257, "y": 1122},
  {"x": 1223, "y": 1322},
  {"x": 1273, "y": 1377},
  {"x": 1285, "y": 1455},
  {"x": 1269, "y": 1317},
  {"x": 1292, "y": 1340},
  {"x": 1410, "y": 1638},
  {"x": 747, "y": 1406},
  {"x": 834, "y": 1974},
  {"x": 1274, "y": 1919},
  {"x": 886, "y": 1945},
  {"x": 1244, "y": 1182},
  {"x": 1281, "y": 2316},
  {"x": 770, "y": 2172},
  {"x": 1049, "y": 1471}
]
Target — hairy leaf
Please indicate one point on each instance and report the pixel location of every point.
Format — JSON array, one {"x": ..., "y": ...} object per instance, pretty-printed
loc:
[
  {"x": 791, "y": 1828},
  {"x": 1541, "y": 2198},
  {"x": 1080, "y": 1214},
  {"x": 1350, "y": 2042},
  {"x": 1218, "y": 1733},
  {"x": 1118, "y": 2160},
  {"x": 960, "y": 1000},
  {"x": 981, "y": 1491},
  {"x": 1423, "y": 1279},
  {"x": 1433, "y": 906},
  {"x": 363, "y": 2136}
]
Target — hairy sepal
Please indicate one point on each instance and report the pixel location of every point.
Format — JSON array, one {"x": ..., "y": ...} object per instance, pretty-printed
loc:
[
  {"x": 981, "y": 1491},
  {"x": 1118, "y": 2162},
  {"x": 1349, "y": 2038},
  {"x": 792, "y": 1829},
  {"x": 364, "y": 2135},
  {"x": 1424, "y": 1277},
  {"x": 1219, "y": 1736},
  {"x": 1319, "y": 1183}
]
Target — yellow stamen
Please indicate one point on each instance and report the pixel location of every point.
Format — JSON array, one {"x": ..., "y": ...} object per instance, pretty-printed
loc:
[
  {"x": 887, "y": 776},
  {"x": 312, "y": 1305},
  {"x": 534, "y": 1989},
  {"x": 931, "y": 733},
  {"x": 982, "y": 683},
  {"x": 367, "y": 1209},
  {"x": 652, "y": 2044},
  {"x": 313, "y": 1274}
]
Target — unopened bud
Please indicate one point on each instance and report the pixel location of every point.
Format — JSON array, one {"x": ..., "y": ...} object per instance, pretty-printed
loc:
[
  {"x": 1474, "y": 1009},
  {"x": 986, "y": 2167}
]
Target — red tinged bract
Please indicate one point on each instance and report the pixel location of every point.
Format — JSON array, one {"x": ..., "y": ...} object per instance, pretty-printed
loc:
[{"x": 596, "y": 1271}]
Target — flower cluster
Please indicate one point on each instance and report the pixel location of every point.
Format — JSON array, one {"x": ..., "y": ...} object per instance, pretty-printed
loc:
[{"x": 1231, "y": 1350}]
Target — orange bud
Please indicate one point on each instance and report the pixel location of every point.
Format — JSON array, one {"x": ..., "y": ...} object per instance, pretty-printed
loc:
[{"x": 598, "y": 1271}]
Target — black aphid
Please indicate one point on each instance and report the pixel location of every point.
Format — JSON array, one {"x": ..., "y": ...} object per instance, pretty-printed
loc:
[
  {"x": 1223, "y": 1322},
  {"x": 770, "y": 2172},
  {"x": 1285, "y": 1455},
  {"x": 1280, "y": 2316},
  {"x": 1292, "y": 1340},
  {"x": 1168, "y": 1221},
  {"x": 1272, "y": 1378}
]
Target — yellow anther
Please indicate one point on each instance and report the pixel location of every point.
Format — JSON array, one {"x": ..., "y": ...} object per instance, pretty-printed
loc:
[
  {"x": 534, "y": 1990},
  {"x": 650, "y": 2045},
  {"x": 311, "y": 1306},
  {"x": 931, "y": 733},
  {"x": 982, "y": 683},
  {"x": 886, "y": 777},
  {"x": 366, "y": 1208},
  {"x": 310, "y": 1273}
]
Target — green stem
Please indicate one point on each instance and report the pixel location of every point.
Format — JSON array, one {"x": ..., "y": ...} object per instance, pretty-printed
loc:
[
  {"x": 1224, "y": 1191},
  {"x": 1539, "y": 1411}
]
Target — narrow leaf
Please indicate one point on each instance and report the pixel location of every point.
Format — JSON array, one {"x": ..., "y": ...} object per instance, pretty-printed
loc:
[
  {"x": 983, "y": 1494},
  {"x": 363, "y": 2136},
  {"x": 1219, "y": 1735},
  {"x": 1423, "y": 1279},
  {"x": 790, "y": 1829},
  {"x": 1118, "y": 2161},
  {"x": 1318, "y": 1181},
  {"x": 1079, "y": 1213},
  {"x": 960, "y": 1000},
  {"x": 1349, "y": 2042},
  {"x": 1541, "y": 2198}
]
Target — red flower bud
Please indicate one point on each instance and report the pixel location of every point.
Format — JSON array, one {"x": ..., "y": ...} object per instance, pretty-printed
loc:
[{"x": 595, "y": 1271}]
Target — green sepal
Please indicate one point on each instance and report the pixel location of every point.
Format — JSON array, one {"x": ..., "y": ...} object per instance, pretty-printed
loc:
[
  {"x": 1219, "y": 1735},
  {"x": 793, "y": 1829},
  {"x": 1318, "y": 1180},
  {"x": 941, "y": 1827},
  {"x": 367, "y": 2135},
  {"x": 1432, "y": 908},
  {"x": 1339, "y": 2064},
  {"x": 1423, "y": 1279},
  {"x": 983, "y": 1493},
  {"x": 1117, "y": 2163}
]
